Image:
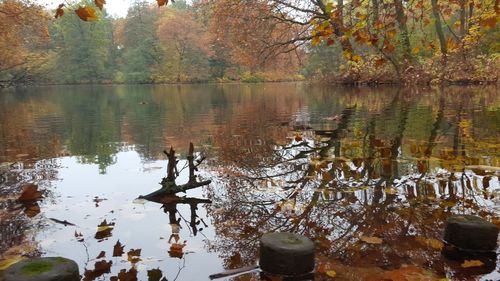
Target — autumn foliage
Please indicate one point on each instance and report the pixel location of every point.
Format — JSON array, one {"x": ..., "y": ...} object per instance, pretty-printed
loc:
[{"x": 172, "y": 41}]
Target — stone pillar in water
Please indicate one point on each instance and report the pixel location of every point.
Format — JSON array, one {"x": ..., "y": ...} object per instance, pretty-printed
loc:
[{"x": 286, "y": 254}]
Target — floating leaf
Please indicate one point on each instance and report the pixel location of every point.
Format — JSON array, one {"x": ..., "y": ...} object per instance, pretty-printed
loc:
[
  {"x": 130, "y": 275},
  {"x": 118, "y": 249},
  {"x": 298, "y": 138},
  {"x": 154, "y": 274},
  {"x": 371, "y": 239},
  {"x": 30, "y": 193},
  {"x": 133, "y": 255},
  {"x": 104, "y": 230},
  {"x": 101, "y": 255},
  {"x": 471, "y": 263},
  {"x": 100, "y": 268},
  {"x": 331, "y": 273},
  {"x": 86, "y": 14},
  {"x": 430, "y": 242}
]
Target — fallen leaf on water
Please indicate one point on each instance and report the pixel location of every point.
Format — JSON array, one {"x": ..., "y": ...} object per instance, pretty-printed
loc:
[
  {"x": 371, "y": 239},
  {"x": 102, "y": 254},
  {"x": 471, "y": 263},
  {"x": 133, "y": 255},
  {"x": 30, "y": 193},
  {"x": 79, "y": 236},
  {"x": 104, "y": 230},
  {"x": 118, "y": 249},
  {"x": 430, "y": 242},
  {"x": 405, "y": 273},
  {"x": 125, "y": 275},
  {"x": 331, "y": 273},
  {"x": 155, "y": 274},
  {"x": 100, "y": 268},
  {"x": 32, "y": 210}
]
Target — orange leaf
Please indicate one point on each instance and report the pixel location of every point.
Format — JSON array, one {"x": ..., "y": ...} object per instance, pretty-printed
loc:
[
  {"x": 118, "y": 249},
  {"x": 100, "y": 3},
  {"x": 471, "y": 263},
  {"x": 86, "y": 14},
  {"x": 389, "y": 48},
  {"x": 488, "y": 22},
  {"x": 391, "y": 33},
  {"x": 315, "y": 40},
  {"x": 162, "y": 2},
  {"x": 371, "y": 239},
  {"x": 298, "y": 138},
  {"x": 59, "y": 11},
  {"x": 380, "y": 62},
  {"x": 30, "y": 193},
  {"x": 133, "y": 255}
]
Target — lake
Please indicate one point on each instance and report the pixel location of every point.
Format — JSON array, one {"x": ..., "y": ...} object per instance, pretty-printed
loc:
[{"x": 369, "y": 174}]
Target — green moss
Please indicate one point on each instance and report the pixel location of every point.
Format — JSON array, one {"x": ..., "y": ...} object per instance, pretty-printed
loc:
[
  {"x": 36, "y": 268},
  {"x": 61, "y": 259},
  {"x": 292, "y": 240}
]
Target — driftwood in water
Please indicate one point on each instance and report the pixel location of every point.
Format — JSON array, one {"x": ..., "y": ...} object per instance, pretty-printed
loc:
[{"x": 169, "y": 187}]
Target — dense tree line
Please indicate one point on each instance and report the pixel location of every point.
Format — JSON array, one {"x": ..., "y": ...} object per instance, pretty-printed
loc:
[{"x": 367, "y": 41}]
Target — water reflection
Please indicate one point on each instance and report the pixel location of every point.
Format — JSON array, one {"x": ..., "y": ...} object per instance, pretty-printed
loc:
[{"x": 333, "y": 164}]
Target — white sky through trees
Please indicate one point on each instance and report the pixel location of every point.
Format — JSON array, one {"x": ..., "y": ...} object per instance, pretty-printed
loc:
[{"x": 115, "y": 8}]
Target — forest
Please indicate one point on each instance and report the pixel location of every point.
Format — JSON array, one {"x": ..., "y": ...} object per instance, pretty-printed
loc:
[{"x": 357, "y": 41}]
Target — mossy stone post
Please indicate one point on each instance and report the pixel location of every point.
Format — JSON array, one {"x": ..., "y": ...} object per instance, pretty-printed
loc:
[
  {"x": 287, "y": 254},
  {"x": 471, "y": 233},
  {"x": 43, "y": 269}
]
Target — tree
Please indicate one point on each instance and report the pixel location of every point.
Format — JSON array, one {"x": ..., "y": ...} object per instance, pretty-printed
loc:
[
  {"x": 186, "y": 46},
  {"x": 142, "y": 53},
  {"x": 83, "y": 48},
  {"x": 23, "y": 41}
]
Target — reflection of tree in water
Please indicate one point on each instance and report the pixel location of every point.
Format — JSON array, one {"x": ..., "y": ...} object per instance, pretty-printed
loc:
[
  {"x": 194, "y": 223},
  {"x": 369, "y": 176},
  {"x": 21, "y": 186}
]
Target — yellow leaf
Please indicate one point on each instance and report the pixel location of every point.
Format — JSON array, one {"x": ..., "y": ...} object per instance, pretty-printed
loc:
[
  {"x": 356, "y": 58},
  {"x": 416, "y": 50},
  {"x": 471, "y": 263},
  {"x": 331, "y": 273},
  {"x": 4, "y": 264},
  {"x": 371, "y": 239},
  {"x": 315, "y": 41},
  {"x": 86, "y": 14},
  {"x": 430, "y": 242},
  {"x": 391, "y": 33},
  {"x": 347, "y": 54}
]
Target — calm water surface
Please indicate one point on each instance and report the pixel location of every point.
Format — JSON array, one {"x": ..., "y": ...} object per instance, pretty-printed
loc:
[{"x": 337, "y": 165}]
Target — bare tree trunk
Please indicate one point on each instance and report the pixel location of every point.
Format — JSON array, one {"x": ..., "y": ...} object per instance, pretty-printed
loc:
[
  {"x": 462, "y": 18},
  {"x": 405, "y": 37},
  {"x": 439, "y": 28},
  {"x": 375, "y": 12}
]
